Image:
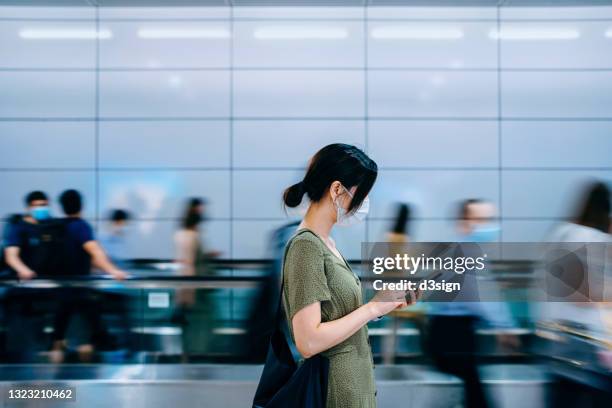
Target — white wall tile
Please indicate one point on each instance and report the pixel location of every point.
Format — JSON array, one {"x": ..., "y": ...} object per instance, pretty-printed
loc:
[
  {"x": 584, "y": 41},
  {"x": 432, "y": 193},
  {"x": 527, "y": 230},
  {"x": 155, "y": 239},
  {"x": 270, "y": 44},
  {"x": 540, "y": 94},
  {"x": 419, "y": 230},
  {"x": 163, "y": 194},
  {"x": 47, "y": 94},
  {"x": 160, "y": 13},
  {"x": 19, "y": 52},
  {"x": 432, "y": 94},
  {"x": 532, "y": 200},
  {"x": 258, "y": 193},
  {"x": 47, "y": 145},
  {"x": 176, "y": 94},
  {"x": 546, "y": 194},
  {"x": 432, "y": 13},
  {"x": 132, "y": 47},
  {"x": 297, "y": 12},
  {"x": 414, "y": 44},
  {"x": 397, "y": 143},
  {"x": 43, "y": 13},
  {"x": 556, "y": 144},
  {"x": 251, "y": 239},
  {"x": 290, "y": 143},
  {"x": 555, "y": 13},
  {"x": 175, "y": 144},
  {"x": 17, "y": 184},
  {"x": 298, "y": 94}
]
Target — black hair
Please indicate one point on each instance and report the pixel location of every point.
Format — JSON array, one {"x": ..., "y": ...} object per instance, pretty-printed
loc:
[
  {"x": 464, "y": 205},
  {"x": 71, "y": 202},
  {"x": 400, "y": 226},
  {"x": 119, "y": 215},
  {"x": 195, "y": 202},
  {"x": 192, "y": 217},
  {"x": 35, "y": 196},
  {"x": 595, "y": 210},
  {"x": 335, "y": 162}
]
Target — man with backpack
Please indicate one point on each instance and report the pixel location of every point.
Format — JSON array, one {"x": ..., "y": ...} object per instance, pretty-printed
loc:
[
  {"x": 28, "y": 241},
  {"x": 25, "y": 239},
  {"x": 81, "y": 252}
]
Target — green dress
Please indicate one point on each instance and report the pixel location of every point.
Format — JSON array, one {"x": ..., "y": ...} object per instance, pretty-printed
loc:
[{"x": 312, "y": 273}]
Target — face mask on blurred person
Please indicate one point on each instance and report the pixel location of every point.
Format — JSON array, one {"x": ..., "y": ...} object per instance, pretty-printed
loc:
[
  {"x": 344, "y": 219},
  {"x": 40, "y": 213},
  {"x": 484, "y": 233}
]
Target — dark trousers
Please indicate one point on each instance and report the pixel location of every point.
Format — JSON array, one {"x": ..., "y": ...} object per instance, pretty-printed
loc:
[
  {"x": 452, "y": 345},
  {"x": 73, "y": 301}
]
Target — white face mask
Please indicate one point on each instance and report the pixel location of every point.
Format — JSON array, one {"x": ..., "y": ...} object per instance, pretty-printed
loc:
[{"x": 343, "y": 219}]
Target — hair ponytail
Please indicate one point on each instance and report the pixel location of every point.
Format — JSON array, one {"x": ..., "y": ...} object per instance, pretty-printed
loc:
[{"x": 294, "y": 194}]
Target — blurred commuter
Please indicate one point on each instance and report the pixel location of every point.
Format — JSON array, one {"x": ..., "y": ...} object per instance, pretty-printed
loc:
[
  {"x": 397, "y": 235},
  {"x": 582, "y": 310},
  {"x": 476, "y": 221},
  {"x": 25, "y": 250},
  {"x": 260, "y": 323},
  {"x": 195, "y": 308},
  {"x": 190, "y": 251},
  {"x": 28, "y": 248},
  {"x": 114, "y": 239},
  {"x": 452, "y": 337},
  {"x": 399, "y": 231},
  {"x": 589, "y": 224},
  {"x": 591, "y": 220},
  {"x": 82, "y": 251},
  {"x": 322, "y": 295}
]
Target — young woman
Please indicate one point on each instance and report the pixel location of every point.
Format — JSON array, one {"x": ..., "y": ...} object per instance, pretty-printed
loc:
[
  {"x": 195, "y": 309},
  {"x": 322, "y": 295}
]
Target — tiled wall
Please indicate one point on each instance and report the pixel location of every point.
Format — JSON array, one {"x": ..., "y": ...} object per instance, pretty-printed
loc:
[{"x": 512, "y": 105}]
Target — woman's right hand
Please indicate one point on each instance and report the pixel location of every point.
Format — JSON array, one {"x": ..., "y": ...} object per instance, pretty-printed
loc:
[{"x": 386, "y": 301}]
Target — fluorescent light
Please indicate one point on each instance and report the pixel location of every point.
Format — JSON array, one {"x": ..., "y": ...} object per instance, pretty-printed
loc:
[
  {"x": 415, "y": 33},
  {"x": 609, "y": 33},
  {"x": 300, "y": 33},
  {"x": 182, "y": 33},
  {"x": 521, "y": 34},
  {"x": 64, "y": 34}
]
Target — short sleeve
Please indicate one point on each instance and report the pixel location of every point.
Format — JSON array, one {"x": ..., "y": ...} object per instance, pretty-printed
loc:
[
  {"x": 83, "y": 233},
  {"x": 304, "y": 276},
  {"x": 13, "y": 235}
]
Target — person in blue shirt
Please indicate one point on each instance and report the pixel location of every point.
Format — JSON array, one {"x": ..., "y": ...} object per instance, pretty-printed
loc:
[
  {"x": 114, "y": 239},
  {"x": 458, "y": 320},
  {"x": 83, "y": 252}
]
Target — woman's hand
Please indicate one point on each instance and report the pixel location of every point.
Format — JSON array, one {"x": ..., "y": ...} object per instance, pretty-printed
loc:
[{"x": 386, "y": 301}]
